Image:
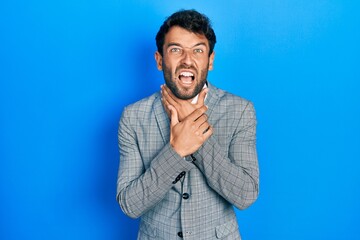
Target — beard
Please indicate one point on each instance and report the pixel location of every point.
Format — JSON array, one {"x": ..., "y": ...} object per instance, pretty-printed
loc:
[{"x": 182, "y": 92}]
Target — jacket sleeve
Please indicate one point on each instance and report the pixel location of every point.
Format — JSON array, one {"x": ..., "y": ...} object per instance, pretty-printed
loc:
[
  {"x": 139, "y": 189},
  {"x": 235, "y": 176}
]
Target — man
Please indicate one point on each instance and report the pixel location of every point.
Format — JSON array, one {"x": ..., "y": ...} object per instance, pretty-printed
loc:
[{"x": 187, "y": 153}]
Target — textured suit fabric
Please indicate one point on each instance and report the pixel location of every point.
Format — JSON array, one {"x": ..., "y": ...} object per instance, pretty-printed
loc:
[{"x": 195, "y": 195}]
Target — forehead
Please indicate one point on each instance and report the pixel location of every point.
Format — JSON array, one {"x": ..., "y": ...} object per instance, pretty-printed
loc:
[{"x": 184, "y": 37}]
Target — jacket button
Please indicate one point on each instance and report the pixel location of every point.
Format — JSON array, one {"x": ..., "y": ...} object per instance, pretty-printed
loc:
[
  {"x": 186, "y": 196},
  {"x": 180, "y": 234}
]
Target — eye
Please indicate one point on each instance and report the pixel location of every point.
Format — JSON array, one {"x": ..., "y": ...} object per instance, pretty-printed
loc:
[
  {"x": 175, "y": 50},
  {"x": 198, "y": 50}
]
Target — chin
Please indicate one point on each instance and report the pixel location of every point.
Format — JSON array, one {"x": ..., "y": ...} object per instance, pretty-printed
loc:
[{"x": 184, "y": 97}]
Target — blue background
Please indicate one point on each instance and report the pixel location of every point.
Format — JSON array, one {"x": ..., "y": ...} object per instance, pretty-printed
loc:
[{"x": 67, "y": 69}]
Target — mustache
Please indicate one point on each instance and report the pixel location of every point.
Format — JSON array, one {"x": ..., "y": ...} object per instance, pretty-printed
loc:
[{"x": 183, "y": 66}]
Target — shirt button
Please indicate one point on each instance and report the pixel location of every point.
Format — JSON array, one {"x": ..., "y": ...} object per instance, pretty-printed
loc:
[
  {"x": 180, "y": 234},
  {"x": 186, "y": 196}
]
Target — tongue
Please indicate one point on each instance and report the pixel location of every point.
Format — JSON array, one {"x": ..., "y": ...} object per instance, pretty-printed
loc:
[{"x": 186, "y": 80}]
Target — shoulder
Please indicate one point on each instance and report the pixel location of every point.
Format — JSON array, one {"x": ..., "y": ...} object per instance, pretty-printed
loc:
[
  {"x": 142, "y": 106},
  {"x": 229, "y": 110},
  {"x": 230, "y": 101},
  {"x": 140, "y": 110}
]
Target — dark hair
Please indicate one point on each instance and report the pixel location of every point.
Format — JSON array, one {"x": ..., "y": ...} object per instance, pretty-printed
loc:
[{"x": 190, "y": 20}]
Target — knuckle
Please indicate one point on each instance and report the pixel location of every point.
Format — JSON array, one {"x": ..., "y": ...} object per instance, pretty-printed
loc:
[
  {"x": 211, "y": 130},
  {"x": 198, "y": 111}
]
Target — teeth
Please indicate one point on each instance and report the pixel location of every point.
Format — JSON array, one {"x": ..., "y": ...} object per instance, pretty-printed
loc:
[{"x": 186, "y": 74}]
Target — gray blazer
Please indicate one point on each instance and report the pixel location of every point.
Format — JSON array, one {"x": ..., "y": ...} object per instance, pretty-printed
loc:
[{"x": 189, "y": 198}]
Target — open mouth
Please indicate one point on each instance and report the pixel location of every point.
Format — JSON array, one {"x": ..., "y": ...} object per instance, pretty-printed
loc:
[{"x": 186, "y": 78}]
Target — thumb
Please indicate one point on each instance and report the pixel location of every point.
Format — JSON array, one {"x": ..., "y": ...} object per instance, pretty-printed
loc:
[
  {"x": 202, "y": 96},
  {"x": 174, "y": 116}
]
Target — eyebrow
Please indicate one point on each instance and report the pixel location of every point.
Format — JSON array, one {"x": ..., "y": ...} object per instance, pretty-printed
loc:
[{"x": 179, "y": 45}]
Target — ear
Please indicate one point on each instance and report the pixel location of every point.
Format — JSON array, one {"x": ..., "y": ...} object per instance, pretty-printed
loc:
[
  {"x": 211, "y": 61},
  {"x": 158, "y": 59}
]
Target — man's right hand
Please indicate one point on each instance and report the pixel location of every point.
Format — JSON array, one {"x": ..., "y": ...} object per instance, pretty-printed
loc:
[
  {"x": 183, "y": 107},
  {"x": 187, "y": 136}
]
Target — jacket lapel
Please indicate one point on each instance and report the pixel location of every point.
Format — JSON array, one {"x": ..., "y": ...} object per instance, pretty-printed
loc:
[
  {"x": 211, "y": 99},
  {"x": 162, "y": 119}
]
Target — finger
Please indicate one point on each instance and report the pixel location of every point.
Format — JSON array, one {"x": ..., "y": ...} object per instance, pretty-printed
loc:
[
  {"x": 165, "y": 102},
  {"x": 169, "y": 96},
  {"x": 165, "y": 97},
  {"x": 200, "y": 121},
  {"x": 204, "y": 128},
  {"x": 174, "y": 116},
  {"x": 197, "y": 113},
  {"x": 208, "y": 132},
  {"x": 202, "y": 96}
]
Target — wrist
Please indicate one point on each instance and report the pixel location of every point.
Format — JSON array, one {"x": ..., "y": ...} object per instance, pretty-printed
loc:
[{"x": 178, "y": 151}]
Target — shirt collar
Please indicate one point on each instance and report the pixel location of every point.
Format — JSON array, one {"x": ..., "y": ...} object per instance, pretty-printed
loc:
[{"x": 195, "y": 99}]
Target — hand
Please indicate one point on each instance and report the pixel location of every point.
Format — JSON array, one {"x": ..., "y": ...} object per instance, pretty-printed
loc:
[
  {"x": 183, "y": 107},
  {"x": 186, "y": 137}
]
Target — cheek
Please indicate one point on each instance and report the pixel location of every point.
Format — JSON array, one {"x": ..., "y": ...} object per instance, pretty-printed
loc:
[
  {"x": 205, "y": 65},
  {"x": 202, "y": 61},
  {"x": 170, "y": 65}
]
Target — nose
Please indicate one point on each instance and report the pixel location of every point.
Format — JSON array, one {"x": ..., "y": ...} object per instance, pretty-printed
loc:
[{"x": 187, "y": 58}]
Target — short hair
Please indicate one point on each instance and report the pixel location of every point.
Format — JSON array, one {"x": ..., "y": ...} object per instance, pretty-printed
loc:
[{"x": 190, "y": 20}]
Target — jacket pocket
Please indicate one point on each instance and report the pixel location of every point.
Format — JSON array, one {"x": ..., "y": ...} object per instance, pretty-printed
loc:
[
  {"x": 226, "y": 229},
  {"x": 147, "y": 229}
]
